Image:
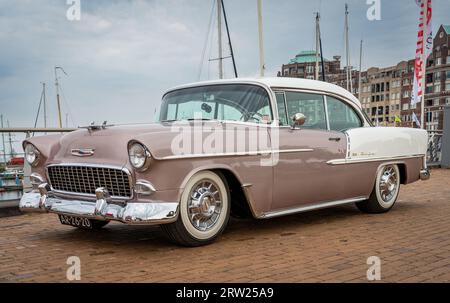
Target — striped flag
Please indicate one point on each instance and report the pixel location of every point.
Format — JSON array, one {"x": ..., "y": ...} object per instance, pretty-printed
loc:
[{"x": 424, "y": 29}]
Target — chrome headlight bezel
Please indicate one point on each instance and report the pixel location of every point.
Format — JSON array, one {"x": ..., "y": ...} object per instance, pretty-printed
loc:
[
  {"x": 139, "y": 156},
  {"x": 32, "y": 154}
]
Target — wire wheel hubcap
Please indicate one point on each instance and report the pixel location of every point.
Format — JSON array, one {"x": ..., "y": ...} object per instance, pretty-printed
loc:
[
  {"x": 204, "y": 205},
  {"x": 388, "y": 184}
]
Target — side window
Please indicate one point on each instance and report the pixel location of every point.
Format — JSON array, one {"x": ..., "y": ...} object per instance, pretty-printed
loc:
[
  {"x": 311, "y": 105},
  {"x": 341, "y": 115},
  {"x": 281, "y": 109}
]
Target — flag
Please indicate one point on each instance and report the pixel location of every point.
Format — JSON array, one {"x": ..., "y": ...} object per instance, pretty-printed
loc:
[
  {"x": 419, "y": 66},
  {"x": 415, "y": 119}
]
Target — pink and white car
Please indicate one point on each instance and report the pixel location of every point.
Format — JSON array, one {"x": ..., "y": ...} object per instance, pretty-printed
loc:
[{"x": 246, "y": 147}]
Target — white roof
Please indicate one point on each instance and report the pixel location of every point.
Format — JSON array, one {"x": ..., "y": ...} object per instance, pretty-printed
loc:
[{"x": 284, "y": 82}]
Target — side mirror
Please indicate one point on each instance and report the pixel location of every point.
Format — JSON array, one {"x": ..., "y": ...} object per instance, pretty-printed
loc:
[{"x": 298, "y": 120}]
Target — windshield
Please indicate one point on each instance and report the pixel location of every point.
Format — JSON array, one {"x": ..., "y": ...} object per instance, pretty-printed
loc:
[{"x": 232, "y": 102}]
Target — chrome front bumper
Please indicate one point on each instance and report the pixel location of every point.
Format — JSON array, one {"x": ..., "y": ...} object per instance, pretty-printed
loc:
[{"x": 152, "y": 213}]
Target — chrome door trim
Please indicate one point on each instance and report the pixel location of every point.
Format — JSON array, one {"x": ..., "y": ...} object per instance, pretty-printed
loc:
[
  {"x": 307, "y": 208},
  {"x": 235, "y": 154},
  {"x": 365, "y": 160}
]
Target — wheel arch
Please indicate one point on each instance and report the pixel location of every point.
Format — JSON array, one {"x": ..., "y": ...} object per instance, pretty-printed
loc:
[{"x": 240, "y": 204}]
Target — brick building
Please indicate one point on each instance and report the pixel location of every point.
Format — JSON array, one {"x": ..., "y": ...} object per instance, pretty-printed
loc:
[{"x": 386, "y": 92}]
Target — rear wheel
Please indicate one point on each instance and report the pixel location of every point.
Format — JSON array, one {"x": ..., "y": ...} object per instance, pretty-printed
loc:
[
  {"x": 204, "y": 210},
  {"x": 385, "y": 192}
]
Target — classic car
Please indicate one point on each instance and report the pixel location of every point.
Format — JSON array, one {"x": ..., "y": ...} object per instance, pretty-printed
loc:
[{"x": 245, "y": 147}]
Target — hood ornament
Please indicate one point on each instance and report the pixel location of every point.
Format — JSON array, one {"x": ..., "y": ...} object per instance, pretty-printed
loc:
[
  {"x": 93, "y": 126},
  {"x": 82, "y": 152}
]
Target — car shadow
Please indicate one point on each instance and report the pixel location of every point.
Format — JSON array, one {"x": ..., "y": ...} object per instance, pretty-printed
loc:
[{"x": 121, "y": 236}]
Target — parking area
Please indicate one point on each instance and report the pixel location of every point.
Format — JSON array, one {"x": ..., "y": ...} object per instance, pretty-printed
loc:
[{"x": 333, "y": 245}]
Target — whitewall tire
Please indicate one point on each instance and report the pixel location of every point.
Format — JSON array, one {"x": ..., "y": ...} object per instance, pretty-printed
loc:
[
  {"x": 204, "y": 210},
  {"x": 385, "y": 192}
]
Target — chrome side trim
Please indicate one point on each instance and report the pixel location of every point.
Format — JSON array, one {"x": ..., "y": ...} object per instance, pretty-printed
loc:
[
  {"x": 364, "y": 160},
  {"x": 310, "y": 207},
  {"x": 236, "y": 154}
]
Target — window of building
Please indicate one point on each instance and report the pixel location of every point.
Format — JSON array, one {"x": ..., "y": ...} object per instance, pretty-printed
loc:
[
  {"x": 405, "y": 106},
  {"x": 447, "y": 86},
  {"x": 447, "y": 101},
  {"x": 438, "y": 61},
  {"x": 437, "y": 88},
  {"x": 436, "y": 102},
  {"x": 311, "y": 105},
  {"x": 406, "y": 94},
  {"x": 437, "y": 76}
]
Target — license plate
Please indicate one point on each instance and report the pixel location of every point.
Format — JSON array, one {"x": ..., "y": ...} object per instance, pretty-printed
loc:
[{"x": 75, "y": 221}]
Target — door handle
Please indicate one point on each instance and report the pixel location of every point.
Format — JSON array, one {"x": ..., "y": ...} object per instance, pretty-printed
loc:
[{"x": 335, "y": 139}]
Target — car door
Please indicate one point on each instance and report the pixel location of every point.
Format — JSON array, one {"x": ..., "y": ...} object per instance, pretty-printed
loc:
[{"x": 302, "y": 175}]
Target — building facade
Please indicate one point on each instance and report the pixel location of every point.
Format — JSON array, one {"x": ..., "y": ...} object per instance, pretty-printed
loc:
[{"x": 386, "y": 92}]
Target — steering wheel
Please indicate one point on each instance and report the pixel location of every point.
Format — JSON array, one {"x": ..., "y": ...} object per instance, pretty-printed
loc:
[{"x": 251, "y": 115}]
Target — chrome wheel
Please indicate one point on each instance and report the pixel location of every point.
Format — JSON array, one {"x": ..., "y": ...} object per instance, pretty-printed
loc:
[
  {"x": 204, "y": 205},
  {"x": 388, "y": 184}
]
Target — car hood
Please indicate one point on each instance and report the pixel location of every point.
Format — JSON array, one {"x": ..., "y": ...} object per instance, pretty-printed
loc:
[{"x": 110, "y": 145}]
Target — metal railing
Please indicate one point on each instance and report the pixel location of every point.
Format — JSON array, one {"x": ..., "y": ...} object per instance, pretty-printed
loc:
[{"x": 434, "y": 153}]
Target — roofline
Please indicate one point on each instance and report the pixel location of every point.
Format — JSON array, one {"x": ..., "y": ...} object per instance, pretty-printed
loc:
[{"x": 265, "y": 82}]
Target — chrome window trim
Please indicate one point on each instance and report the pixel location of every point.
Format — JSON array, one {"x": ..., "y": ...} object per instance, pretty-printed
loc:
[
  {"x": 269, "y": 91},
  {"x": 90, "y": 196},
  {"x": 341, "y": 98}
]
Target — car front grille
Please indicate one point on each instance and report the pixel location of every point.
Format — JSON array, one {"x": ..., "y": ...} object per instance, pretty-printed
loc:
[{"x": 86, "y": 179}]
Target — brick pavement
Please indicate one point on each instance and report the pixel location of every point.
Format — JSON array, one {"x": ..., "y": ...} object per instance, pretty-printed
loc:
[{"x": 413, "y": 242}]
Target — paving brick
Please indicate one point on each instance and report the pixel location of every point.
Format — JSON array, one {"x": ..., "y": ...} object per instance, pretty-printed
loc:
[{"x": 412, "y": 241}]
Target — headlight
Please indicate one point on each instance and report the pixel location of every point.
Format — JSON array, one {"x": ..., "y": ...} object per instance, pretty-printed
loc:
[
  {"x": 139, "y": 156},
  {"x": 31, "y": 154}
]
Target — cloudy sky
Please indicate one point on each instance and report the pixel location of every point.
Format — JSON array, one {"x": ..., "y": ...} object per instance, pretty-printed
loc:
[{"x": 122, "y": 55}]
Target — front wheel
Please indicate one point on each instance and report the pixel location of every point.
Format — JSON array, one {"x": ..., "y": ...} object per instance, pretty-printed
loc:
[
  {"x": 204, "y": 210},
  {"x": 385, "y": 192}
]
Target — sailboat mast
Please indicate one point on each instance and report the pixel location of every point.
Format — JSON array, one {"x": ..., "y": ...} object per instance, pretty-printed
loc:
[
  {"x": 360, "y": 69},
  {"x": 3, "y": 140},
  {"x": 45, "y": 105},
  {"x": 219, "y": 38},
  {"x": 11, "y": 150},
  {"x": 229, "y": 39},
  {"x": 262, "y": 64},
  {"x": 58, "y": 102},
  {"x": 317, "y": 46},
  {"x": 347, "y": 51}
]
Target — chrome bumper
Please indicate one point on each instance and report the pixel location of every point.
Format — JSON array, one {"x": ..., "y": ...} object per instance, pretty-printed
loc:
[
  {"x": 151, "y": 213},
  {"x": 425, "y": 174}
]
